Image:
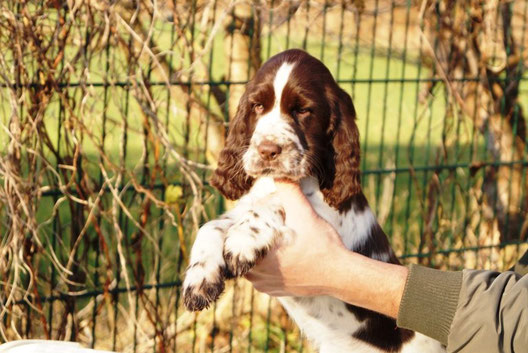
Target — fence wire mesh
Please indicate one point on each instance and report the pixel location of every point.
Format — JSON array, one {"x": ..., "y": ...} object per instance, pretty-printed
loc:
[{"x": 113, "y": 114}]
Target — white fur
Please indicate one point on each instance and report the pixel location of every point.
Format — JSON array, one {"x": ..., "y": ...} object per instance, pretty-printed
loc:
[
  {"x": 241, "y": 239},
  {"x": 354, "y": 227},
  {"x": 281, "y": 79},
  {"x": 422, "y": 343},
  {"x": 206, "y": 261}
]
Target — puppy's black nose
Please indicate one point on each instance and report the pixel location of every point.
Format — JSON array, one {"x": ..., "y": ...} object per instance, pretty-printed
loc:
[{"x": 268, "y": 150}]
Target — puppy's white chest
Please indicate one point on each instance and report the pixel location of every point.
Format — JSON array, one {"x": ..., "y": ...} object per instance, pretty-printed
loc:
[
  {"x": 327, "y": 323},
  {"x": 352, "y": 226}
]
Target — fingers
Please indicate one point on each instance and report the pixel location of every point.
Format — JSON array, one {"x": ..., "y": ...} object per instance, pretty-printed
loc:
[
  {"x": 250, "y": 276},
  {"x": 257, "y": 281},
  {"x": 270, "y": 287},
  {"x": 260, "y": 274}
]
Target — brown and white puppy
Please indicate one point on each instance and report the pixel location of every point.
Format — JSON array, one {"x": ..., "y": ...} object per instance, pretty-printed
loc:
[{"x": 295, "y": 122}]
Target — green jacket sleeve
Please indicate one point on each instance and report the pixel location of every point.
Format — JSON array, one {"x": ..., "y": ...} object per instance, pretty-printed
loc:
[
  {"x": 492, "y": 313},
  {"x": 468, "y": 311}
]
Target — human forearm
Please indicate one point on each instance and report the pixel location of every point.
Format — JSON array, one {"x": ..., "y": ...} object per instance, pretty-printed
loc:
[{"x": 362, "y": 281}]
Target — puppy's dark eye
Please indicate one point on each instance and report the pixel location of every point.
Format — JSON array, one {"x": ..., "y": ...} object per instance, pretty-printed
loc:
[
  {"x": 258, "y": 108},
  {"x": 301, "y": 113}
]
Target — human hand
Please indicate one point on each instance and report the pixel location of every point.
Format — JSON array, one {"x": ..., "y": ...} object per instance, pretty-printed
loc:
[{"x": 298, "y": 266}]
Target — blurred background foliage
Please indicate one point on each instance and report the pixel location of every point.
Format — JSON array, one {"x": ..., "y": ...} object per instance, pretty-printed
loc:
[{"x": 113, "y": 113}]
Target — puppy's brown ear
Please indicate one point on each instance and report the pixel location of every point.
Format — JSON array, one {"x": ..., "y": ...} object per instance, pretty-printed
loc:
[
  {"x": 229, "y": 177},
  {"x": 346, "y": 181}
]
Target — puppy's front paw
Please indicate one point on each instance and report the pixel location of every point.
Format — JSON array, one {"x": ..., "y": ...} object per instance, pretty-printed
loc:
[
  {"x": 202, "y": 286},
  {"x": 241, "y": 255},
  {"x": 250, "y": 239}
]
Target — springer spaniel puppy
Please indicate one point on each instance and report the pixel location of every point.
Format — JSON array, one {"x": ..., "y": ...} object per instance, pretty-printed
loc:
[{"x": 295, "y": 122}]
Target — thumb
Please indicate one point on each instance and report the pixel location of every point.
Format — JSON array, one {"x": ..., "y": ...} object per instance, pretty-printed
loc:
[{"x": 291, "y": 196}]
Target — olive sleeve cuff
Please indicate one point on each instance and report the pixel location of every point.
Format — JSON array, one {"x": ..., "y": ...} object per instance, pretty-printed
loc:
[{"x": 429, "y": 301}]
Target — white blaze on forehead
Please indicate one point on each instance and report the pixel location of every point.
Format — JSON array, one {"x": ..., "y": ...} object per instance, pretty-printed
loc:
[
  {"x": 281, "y": 78},
  {"x": 272, "y": 126}
]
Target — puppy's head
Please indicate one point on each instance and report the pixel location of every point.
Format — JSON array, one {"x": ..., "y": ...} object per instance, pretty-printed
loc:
[{"x": 292, "y": 121}]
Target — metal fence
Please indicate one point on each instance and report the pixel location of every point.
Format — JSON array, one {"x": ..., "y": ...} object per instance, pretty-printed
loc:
[{"x": 113, "y": 114}]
